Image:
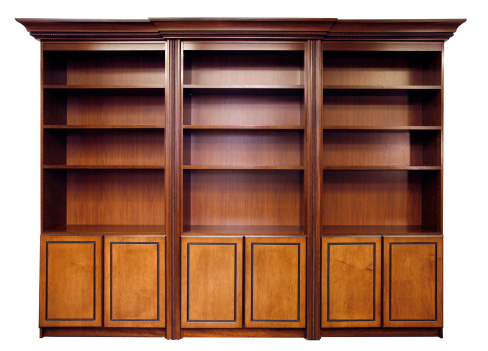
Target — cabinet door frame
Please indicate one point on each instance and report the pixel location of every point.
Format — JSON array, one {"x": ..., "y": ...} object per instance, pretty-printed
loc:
[
  {"x": 249, "y": 320},
  {"x": 46, "y": 241},
  {"x": 159, "y": 241},
  {"x": 186, "y": 243},
  {"x": 375, "y": 321},
  {"x": 437, "y": 243}
]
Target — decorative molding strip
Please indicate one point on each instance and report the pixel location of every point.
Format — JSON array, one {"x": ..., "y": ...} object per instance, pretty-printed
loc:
[
  {"x": 440, "y": 35},
  {"x": 243, "y": 33},
  {"x": 96, "y": 35}
]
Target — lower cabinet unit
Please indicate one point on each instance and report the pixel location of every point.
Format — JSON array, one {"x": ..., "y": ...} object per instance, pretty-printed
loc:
[
  {"x": 211, "y": 282},
  {"x": 275, "y": 282},
  {"x": 413, "y": 282},
  {"x": 351, "y": 282},
  {"x": 71, "y": 281},
  {"x": 134, "y": 282}
]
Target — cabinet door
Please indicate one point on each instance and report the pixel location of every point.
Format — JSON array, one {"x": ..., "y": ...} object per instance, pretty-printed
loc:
[
  {"x": 351, "y": 282},
  {"x": 275, "y": 282},
  {"x": 413, "y": 282},
  {"x": 134, "y": 281},
  {"x": 70, "y": 281},
  {"x": 211, "y": 282}
]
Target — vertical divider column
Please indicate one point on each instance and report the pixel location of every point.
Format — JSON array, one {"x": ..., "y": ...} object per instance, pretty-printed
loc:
[
  {"x": 173, "y": 186},
  {"x": 314, "y": 173}
]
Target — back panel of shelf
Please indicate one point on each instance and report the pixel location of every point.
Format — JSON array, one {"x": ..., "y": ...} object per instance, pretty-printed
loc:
[
  {"x": 103, "y": 197},
  {"x": 126, "y": 147},
  {"x": 243, "y": 68},
  {"x": 381, "y": 198},
  {"x": 104, "y": 68},
  {"x": 381, "y": 148},
  {"x": 243, "y": 148},
  {"x": 243, "y": 198},
  {"x": 102, "y": 108},
  {"x": 369, "y": 68},
  {"x": 382, "y": 108}
]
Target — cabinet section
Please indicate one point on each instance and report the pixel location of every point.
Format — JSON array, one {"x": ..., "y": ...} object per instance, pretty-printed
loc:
[
  {"x": 413, "y": 282},
  {"x": 211, "y": 282},
  {"x": 134, "y": 282},
  {"x": 275, "y": 282},
  {"x": 71, "y": 281},
  {"x": 351, "y": 282}
]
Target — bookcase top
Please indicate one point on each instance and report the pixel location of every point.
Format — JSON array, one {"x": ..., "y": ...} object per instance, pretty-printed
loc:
[{"x": 298, "y": 28}]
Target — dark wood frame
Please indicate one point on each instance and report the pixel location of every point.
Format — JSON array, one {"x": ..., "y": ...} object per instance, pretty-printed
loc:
[{"x": 316, "y": 35}]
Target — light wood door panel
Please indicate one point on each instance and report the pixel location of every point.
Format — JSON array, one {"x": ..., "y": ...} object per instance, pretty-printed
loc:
[
  {"x": 413, "y": 282},
  {"x": 211, "y": 282},
  {"x": 71, "y": 281},
  {"x": 135, "y": 281},
  {"x": 351, "y": 282},
  {"x": 275, "y": 282}
]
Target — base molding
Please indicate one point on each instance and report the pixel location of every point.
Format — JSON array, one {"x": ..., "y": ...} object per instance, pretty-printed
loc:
[
  {"x": 146, "y": 332},
  {"x": 243, "y": 333},
  {"x": 371, "y": 332}
]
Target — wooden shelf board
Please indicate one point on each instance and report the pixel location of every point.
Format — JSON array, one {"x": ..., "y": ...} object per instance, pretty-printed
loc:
[
  {"x": 108, "y": 229},
  {"x": 103, "y": 167},
  {"x": 382, "y": 168},
  {"x": 241, "y": 127},
  {"x": 382, "y": 127},
  {"x": 382, "y": 87},
  {"x": 243, "y": 229},
  {"x": 378, "y": 230},
  {"x": 242, "y": 167},
  {"x": 98, "y": 126}
]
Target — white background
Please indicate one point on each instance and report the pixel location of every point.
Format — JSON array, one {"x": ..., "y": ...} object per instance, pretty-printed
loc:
[{"x": 465, "y": 179}]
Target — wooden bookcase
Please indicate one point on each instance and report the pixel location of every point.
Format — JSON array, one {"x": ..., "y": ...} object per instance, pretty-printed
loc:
[{"x": 241, "y": 177}]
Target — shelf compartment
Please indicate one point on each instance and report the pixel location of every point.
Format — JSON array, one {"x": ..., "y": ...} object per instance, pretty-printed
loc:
[
  {"x": 382, "y": 68},
  {"x": 243, "y": 67},
  {"x": 104, "y": 68},
  {"x": 346, "y": 148},
  {"x": 243, "y": 149},
  {"x": 382, "y": 198},
  {"x": 124, "y": 200},
  {"x": 379, "y": 230},
  {"x": 265, "y": 200},
  {"x": 244, "y": 109},
  {"x": 108, "y": 229},
  {"x": 243, "y": 229},
  {"x": 104, "y": 148},
  {"x": 122, "y": 108},
  {"x": 382, "y": 109}
]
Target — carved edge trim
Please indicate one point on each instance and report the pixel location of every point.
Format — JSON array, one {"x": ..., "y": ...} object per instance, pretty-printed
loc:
[
  {"x": 160, "y": 35},
  {"x": 437, "y": 35},
  {"x": 95, "y": 35}
]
